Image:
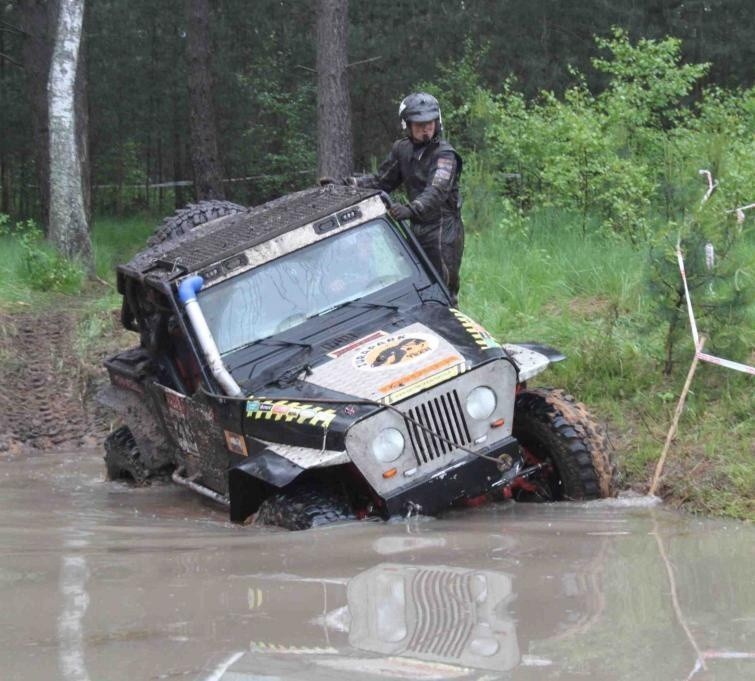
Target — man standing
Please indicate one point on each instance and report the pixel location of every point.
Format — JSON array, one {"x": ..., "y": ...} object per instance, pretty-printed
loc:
[{"x": 429, "y": 168}]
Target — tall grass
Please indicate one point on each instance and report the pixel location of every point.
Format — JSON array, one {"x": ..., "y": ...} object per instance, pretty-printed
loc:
[
  {"x": 115, "y": 240},
  {"x": 588, "y": 297},
  {"x": 14, "y": 291}
]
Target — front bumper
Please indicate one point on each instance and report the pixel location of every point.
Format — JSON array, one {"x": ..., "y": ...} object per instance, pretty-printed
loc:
[{"x": 469, "y": 478}]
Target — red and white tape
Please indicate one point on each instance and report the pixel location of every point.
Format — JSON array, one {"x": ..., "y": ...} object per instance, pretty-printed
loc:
[{"x": 703, "y": 356}]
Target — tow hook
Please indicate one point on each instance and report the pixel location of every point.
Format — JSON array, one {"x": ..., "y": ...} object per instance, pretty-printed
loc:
[
  {"x": 412, "y": 508},
  {"x": 516, "y": 471}
]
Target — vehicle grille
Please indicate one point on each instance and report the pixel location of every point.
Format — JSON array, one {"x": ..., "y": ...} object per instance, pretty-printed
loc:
[
  {"x": 446, "y": 612},
  {"x": 442, "y": 415}
]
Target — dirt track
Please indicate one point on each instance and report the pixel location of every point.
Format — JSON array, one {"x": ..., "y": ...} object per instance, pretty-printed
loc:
[{"x": 44, "y": 384}]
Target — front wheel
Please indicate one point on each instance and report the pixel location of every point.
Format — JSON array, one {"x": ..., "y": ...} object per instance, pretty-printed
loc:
[
  {"x": 559, "y": 433},
  {"x": 302, "y": 507}
]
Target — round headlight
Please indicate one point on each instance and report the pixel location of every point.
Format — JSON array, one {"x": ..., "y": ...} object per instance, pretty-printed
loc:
[
  {"x": 481, "y": 402},
  {"x": 388, "y": 445}
]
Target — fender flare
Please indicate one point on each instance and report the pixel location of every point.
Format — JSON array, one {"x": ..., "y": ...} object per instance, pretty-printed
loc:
[{"x": 251, "y": 481}]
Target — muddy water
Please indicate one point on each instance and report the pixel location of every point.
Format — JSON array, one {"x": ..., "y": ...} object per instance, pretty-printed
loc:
[{"x": 98, "y": 581}]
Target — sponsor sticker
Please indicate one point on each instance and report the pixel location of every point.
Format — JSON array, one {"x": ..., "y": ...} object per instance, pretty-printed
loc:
[
  {"x": 355, "y": 344},
  {"x": 411, "y": 378},
  {"x": 235, "y": 443},
  {"x": 306, "y": 414},
  {"x": 175, "y": 403},
  {"x": 481, "y": 336},
  {"x": 390, "y": 351},
  {"x": 180, "y": 424},
  {"x": 424, "y": 384}
]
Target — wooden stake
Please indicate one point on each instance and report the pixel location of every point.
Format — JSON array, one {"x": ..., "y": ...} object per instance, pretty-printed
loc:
[{"x": 675, "y": 422}]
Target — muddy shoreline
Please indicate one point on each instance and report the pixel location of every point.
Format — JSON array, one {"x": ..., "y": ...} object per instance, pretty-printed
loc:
[{"x": 49, "y": 382}]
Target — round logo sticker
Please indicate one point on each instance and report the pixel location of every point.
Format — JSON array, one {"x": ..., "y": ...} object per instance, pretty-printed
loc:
[{"x": 402, "y": 348}]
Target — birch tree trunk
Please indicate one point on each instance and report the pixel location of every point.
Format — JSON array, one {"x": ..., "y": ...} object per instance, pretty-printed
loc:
[
  {"x": 68, "y": 224},
  {"x": 334, "y": 140}
]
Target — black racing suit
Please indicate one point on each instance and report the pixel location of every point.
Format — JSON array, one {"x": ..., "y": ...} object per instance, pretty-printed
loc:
[{"x": 430, "y": 173}]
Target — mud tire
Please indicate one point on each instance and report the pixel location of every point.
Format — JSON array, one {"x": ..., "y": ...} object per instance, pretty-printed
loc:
[
  {"x": 302, "y": 508},
  {"x": 122, "y": 457},
  {"x": 553, "y": 427},
  {"x": 191, "y": 216}
]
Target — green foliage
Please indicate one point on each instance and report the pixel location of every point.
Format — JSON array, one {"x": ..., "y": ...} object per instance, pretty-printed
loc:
[
  {"x": 615, "y": 158},
  {"x": 484, "y": 203},
  {"x": 623, "y": 165},
  {"x": 40, "y": 265},
  {"x": 115, "y": 240},
  {"x": 718, "y": 262},
  {"x": 647, "y": 80},
  {"x": 280, "y": 140},
  {"x": 588, "y": 297},
  {"x": 468, "y": 106}
]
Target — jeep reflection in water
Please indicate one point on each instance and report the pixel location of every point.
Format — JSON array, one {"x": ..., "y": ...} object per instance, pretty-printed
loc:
[{"x": 301, "y": 362}]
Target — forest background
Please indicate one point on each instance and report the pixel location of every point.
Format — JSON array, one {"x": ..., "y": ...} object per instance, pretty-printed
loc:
[{"x": 583, "y": 127}]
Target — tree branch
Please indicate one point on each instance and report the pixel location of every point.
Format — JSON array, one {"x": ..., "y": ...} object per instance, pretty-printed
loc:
[
  {"x": 363, "y": 61},
  {"x": 348, "y": 66},
  {"x": 11, "y": 27},
  {"x": 10, "y": 60}
]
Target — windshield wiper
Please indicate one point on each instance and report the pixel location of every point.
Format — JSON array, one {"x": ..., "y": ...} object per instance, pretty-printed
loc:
[
  {"x": 282, "y": 342},
  {"x": 267, "y": 342},
  {"x": 358, "y": 303}
]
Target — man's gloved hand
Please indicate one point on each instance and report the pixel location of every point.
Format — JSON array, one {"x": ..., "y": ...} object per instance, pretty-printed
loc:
[{"x": 400, "y": 212}]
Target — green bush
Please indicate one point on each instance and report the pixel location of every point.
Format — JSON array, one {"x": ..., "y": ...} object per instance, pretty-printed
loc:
[
  {"x": 625, "y": 160},
  {"x": 40, "y": 266},
  {"x": 622, "y": 165}
]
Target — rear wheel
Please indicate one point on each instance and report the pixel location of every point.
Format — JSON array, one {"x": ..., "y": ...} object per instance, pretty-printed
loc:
[
  {"x": 193, "y": 215},
  {"x": 302, "y": 508},
  {"x": 559, "y": 433}
]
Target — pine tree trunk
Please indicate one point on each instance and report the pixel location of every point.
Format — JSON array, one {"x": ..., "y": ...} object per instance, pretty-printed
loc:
[
  {"x": 205, "y": 158},
  {"x": 69, "y": 219},
  {"x": 334, "y": 140},
  {"x": 4, "y": 174},
  {"x": 38, "y": 19}
]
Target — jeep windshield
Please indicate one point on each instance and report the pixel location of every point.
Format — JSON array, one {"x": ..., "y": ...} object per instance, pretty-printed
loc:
[{"x": 311, "y": 281}]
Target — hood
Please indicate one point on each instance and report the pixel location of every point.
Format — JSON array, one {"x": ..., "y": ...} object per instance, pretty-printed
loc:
[{"x": 384, "y": 362}]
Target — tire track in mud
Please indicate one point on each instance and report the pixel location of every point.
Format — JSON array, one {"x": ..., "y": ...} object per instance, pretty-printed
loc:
[{"x": 41, "y": 391}]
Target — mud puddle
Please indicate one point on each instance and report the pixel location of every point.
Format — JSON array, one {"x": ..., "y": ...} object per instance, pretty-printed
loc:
[{"x": 99, "y": 581}]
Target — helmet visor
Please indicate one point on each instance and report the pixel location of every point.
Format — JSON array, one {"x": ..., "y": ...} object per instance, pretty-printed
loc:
[{"x": 422, "y": 116}]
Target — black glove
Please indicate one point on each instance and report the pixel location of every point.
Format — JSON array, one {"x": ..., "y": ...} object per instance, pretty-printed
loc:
[
  {"x": 400, "y": 212},
  {"x": 327, "y": 180}
]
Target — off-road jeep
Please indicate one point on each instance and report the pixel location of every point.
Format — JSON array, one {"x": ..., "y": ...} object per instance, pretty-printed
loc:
[{"x": 301, "y": 362}]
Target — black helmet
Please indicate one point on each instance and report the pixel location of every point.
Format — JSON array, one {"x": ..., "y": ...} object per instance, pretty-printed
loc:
[{"x": 419, "y": 107}]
